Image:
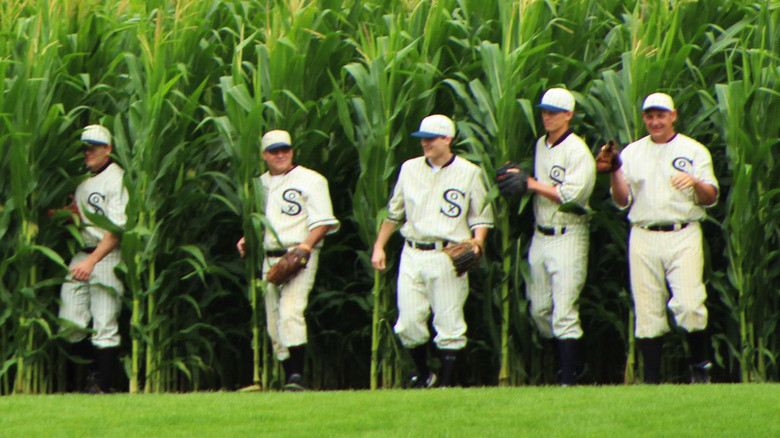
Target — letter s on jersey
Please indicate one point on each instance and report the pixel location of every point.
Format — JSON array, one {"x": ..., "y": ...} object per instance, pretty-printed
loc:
[
  {"x": 453, "y": 199},
  {"x": 291, "y": 206}
]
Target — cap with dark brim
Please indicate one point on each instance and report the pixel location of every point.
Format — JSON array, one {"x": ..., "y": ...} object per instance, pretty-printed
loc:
[
  {"x": 278, "y": 146},
  {"x": 551, "y": 108},
  {"x": 95, "y": 143}
]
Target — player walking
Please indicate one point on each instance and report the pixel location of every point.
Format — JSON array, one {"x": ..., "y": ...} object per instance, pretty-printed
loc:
[
  {"x": 440, "y": 198},
  {"x": 665, "y": 180},
  {"x": 564, "y": 172},
  {"x": 298, "y": 207},
  {"x": 92, "y": 290}
]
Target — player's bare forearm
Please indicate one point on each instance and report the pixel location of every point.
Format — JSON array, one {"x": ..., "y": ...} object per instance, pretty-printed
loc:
[
  {"x": 378, "y": 257},
  {"x": 316, "y": 235},
  {"x": 706, "y": 194},
  {"x": 480, "y": 234},
  {"x": 83, "y": 270},
  {"x": 619, "y": 188},
  {"x": 545, "y": 190}
]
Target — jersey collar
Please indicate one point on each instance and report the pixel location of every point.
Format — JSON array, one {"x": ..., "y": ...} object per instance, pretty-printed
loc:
[
  {"x": 560, "y": 140},
  {"x": 428, "y": 162},
  {"x": 105, "y": 166}
]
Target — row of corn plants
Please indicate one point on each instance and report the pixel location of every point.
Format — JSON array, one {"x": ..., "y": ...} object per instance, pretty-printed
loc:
[{"x": 188, "y": 87}]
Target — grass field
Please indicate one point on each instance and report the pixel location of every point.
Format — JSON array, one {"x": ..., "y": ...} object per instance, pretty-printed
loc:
[{"x": 622, "y": 411}]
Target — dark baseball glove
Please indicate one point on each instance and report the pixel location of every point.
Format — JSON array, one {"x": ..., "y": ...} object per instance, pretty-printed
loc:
[
  {"x": 465, "y": 255},
  {"x": 288, "y": 266},
  {"x": 512, "y": 180},
  {"x": 71, "y": 208},
  {"x": 608, "y": 159}
]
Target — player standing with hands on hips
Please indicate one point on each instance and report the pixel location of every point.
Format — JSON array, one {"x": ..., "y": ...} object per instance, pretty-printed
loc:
[
  {"x": 298, "y": 207},
  {"x": 91, "y": 289},
  {"x": 440, "y": 199},
  {"x": 565, "y": 172},
  {"x": 665, "y": 180}
]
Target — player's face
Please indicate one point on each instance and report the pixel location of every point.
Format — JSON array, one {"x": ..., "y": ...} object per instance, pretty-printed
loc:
[
  {"x": 279, "y": 160},
  {"x": 556, "y": 122},
  {"x": 96, "y": 156},
  {"x": 659, "y": 124},
  {"x": 436, "y": 150}
]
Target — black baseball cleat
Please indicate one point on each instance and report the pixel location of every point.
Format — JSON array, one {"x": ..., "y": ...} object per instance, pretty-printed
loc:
[
  {"x": 92, "y": 384},
  {"x": 295, "y": 384},
  {"x": 700, "y": 372},
  {"x": 415, "y": 382}
]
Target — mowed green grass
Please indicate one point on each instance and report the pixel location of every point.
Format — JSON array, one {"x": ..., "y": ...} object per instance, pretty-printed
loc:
[{"x": 620, "y": 411}]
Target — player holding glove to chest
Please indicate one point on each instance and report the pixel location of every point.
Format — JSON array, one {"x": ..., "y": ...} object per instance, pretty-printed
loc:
[
  {"x": 665, "y": 180},
  {"x": 565, "y": 172},
  {"x": 299, "y": 209},
  {"x": 440, "y": 199}
]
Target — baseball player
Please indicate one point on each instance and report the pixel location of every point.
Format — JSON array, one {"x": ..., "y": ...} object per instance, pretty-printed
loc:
[
  {"x": 665, "y": 180},
  {"x": 298, "y": 207},
  {"x": 564, "y": 172},
  {"x": 440, "y": 198},
  {"x": 92, "y": 290}
]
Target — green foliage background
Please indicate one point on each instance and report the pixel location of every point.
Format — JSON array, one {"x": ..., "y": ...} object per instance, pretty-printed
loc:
[{"x": 187, "y": 87}]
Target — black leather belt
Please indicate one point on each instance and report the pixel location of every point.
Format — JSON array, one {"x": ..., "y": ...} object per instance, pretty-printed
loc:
[
  {"x": 89, "y": 249},
  {"x": 276, "y": 252},
  {"x": 424, "y": 246},
  {"x": 551, "y": 231},
  {"x": 666, "y": 227}
]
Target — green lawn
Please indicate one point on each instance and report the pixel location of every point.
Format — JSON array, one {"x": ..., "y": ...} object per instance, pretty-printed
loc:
[{"x": 626, "y": 411}]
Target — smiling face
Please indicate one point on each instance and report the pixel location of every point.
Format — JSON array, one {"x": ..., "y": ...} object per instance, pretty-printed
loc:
[
  {"x": 659, "y": 124},
  {"x": 96, "y": 155},
  {"x": 279, "y": 160},
  {"x": 437, "y": 149}
]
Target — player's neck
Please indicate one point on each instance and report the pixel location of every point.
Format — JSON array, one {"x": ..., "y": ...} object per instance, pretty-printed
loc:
[
  {"x": 663, "y": 138},
  {"x": 440, "y": 161},
  {"x": 554, "y": 136}
]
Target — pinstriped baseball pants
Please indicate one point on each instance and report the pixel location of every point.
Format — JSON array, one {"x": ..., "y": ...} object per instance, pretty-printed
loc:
[
  {"x": 285, "y": 304},
  {"x": 99, "y": 299},
  {"x": 559, "y": 266},
  {"x": 658, "y": 257},
  {"x": 427, "y": 282}
]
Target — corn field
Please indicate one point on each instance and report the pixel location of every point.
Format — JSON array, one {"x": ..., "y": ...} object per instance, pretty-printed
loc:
[{"x": 187, "y": 88}]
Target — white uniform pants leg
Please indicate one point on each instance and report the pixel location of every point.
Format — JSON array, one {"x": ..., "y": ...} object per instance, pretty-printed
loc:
[
  {"x": 685, "y": 274},
  {"x": 559, "y": 267},
  {"x": 99, "y": 299},
  {"x": 427, "y": 281},
  {"x": 285, "y": 305}
]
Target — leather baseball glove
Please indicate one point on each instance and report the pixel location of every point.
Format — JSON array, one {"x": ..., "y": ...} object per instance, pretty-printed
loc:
[
  {"x": 608, "y": 159},
  {"x": 288, "y": 266},
  {"x": 465, "y": 255},
  {"x": 512, "y": 180}
]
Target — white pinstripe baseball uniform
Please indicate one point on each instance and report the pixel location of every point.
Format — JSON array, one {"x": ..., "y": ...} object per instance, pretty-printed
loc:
[
  {"x": 658, "y": 257},
  {"x": 100, "y": 298},
  {"x": 558, "y": 258},
  {"x": 296, "y": 203},
  {"x": 438, "y": 206}
]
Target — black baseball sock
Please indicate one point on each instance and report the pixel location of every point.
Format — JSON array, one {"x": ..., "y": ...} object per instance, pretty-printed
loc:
[
  {"x": 420, "y": 357},
  {"x": 448, "y": 360},
  {"x": 295, "y": 362},
  {"x": 697, "y": 341},
  {"x": 106, "y": 361},
  {"x": 651, "y": 353}
]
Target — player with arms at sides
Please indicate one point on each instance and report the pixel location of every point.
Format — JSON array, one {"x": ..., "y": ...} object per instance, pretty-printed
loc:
[
  {"x": 440, "y": 199},
  {"x": 665, "y": 180},
  {"x": 565, "y": 172},
  {"x": 298, "y": 207},
  {"x": 91, "y": 290}
]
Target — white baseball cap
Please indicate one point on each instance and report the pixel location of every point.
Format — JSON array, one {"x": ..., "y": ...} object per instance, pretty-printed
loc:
[
  {"x": 434, "y": 126},
  {"x": 557, "y": 100},
  {"x": 96, "y": 135},
  {"x": 660, "y": 101},
  {"x": 274, "y": 140}
]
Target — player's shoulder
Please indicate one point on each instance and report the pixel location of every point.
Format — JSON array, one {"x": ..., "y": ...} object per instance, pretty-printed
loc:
[{"x": 465, "y": 164}]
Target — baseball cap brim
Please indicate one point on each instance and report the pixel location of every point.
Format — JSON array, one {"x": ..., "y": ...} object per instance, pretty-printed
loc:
[
  {"x": 551, "y": 108},
  {"x": 279, "y": 145},
  {"x": 421, "y": 134},
  {"x": 95, "y": 143}
]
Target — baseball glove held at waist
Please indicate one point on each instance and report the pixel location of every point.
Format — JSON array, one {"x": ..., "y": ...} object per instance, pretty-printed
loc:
[
  {"x": 512, "y": 180},
  {"x": 465, "y": 255},
  {"x": 288, "y": 266}
]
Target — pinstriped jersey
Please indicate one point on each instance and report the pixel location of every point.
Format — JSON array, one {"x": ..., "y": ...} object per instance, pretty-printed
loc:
[
  {"x": 440, "y": 205},
  {"x": 102, "y": 194},
  {"x": 648, "y": 168},
  {"x": 296, "y": 203},
  {"x": 569, "y": 166}
]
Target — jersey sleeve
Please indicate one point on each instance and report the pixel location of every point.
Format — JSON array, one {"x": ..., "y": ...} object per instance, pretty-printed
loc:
[
  {"x": 395, "y": 206},
  {"x": 704, "y": 171},
  {"x": 117, "y": 203},
  {"x": 580, "y": 177},
  {"x": 625, "y": 169},
  {"x": 319, "y": 209},
  {"x": 480, "y": 213}
]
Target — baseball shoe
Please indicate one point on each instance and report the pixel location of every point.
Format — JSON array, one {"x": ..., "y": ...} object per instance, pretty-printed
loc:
[
  {"x": 415, "y": 382},
  {"x": 295, "y": 384},
  {"x": 700, "y": 372},
  {"x": 92, "y": 384}
]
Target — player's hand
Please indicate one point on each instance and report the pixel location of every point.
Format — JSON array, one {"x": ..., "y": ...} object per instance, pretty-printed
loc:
[
  {"x": 608, "y": 159},
  {"x": 682, "y": 181},
  {"x": 240, "y": 247},
  {"x": 83, "y": 270},
  {"x": 378, "y": 260}
]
